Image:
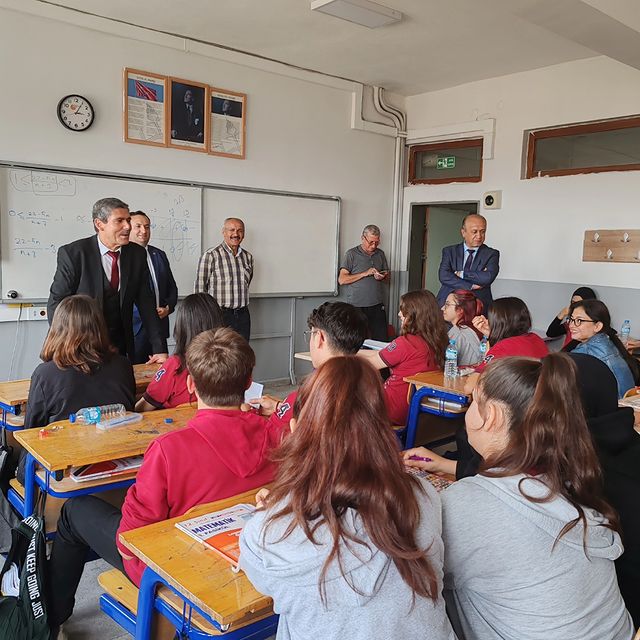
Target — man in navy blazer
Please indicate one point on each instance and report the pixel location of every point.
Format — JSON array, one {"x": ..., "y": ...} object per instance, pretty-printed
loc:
[
  {"x": 162, "y": 284},
  {"x": 114, "y": 271},
  {"x": 470, "y": 265}
]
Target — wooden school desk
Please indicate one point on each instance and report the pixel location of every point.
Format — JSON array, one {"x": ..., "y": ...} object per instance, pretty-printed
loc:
[
  {"x": 14, "y": 394},
  {"x": 203, "y": 580},
  {"x": 430, "y": 393},
  {"x": 62, "y": 445}
]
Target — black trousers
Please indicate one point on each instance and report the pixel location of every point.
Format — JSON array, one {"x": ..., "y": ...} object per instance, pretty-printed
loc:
[
  {"x": 86, "y": 522},
  {"x": 377, "y": 319},
  {"x": 239, "y": 320},
  {"x": 142, "y": 347}
]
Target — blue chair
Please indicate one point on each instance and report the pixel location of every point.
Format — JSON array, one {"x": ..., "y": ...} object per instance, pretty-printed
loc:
[
  {"x": 443, "y": 403},
  {"x": 133, "y": 610}
]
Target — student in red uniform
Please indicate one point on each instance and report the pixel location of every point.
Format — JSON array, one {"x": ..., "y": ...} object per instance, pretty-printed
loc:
[
  {"x": 509, "y": 331},
  {"x": 420, "y": 347},
  {"x": 335, "y": 329},
  {"x": 198, "y": 312},
  {"x": 508, "y": 328},
  {"x": 221, "y": 452}
]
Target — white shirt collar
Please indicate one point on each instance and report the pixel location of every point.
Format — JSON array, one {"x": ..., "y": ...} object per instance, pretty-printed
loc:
[{"x": 104, "y": 249}]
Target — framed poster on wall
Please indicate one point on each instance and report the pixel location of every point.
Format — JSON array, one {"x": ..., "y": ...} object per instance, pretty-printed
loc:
[
  {"x": 228, "y": 112},
  {"x": 145, "y": 108},
  {"x": 188, "y": 124}
]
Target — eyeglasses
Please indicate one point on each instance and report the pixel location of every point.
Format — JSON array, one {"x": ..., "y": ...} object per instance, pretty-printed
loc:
[
  {"x": 449, "y": 304},
  {"x": 308, "y": 333},
  {"x": 372, "y": 243},
  {"x": 578, "y": 321}
]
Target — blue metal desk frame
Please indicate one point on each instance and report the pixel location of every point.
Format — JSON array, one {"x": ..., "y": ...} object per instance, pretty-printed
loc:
[
  {"x": 15, "y": 410},
  {"x": 140, "y": 626},
  {"x": 32, "y": 481},
  {"x": 416, "y": 408}
]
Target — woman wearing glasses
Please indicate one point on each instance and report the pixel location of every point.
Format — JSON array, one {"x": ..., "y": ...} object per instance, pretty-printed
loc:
[
  {"x": 460, "y": 308},
  {"x": 559, "y": 326},
  {"x": 590, "y": 325}
]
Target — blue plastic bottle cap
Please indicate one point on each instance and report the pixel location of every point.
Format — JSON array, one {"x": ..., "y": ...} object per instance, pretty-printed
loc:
[
  {"x": 72, "y": 418},
  {"x": 168, "y": 420}
]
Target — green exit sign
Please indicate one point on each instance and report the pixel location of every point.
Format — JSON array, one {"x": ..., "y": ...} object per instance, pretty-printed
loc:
[{"x": 447, "y": 162}]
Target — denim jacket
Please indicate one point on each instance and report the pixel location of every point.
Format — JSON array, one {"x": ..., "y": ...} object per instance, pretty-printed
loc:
[{"x": 601, "y": 347}]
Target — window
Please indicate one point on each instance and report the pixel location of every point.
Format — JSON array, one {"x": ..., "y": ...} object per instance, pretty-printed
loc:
[
  {"x": 438, "y": 163},
  {"x": 608, "y": 145}
]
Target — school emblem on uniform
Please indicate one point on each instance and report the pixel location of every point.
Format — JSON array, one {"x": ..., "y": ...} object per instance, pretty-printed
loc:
[
  {"x": 159, "y": 374},
  {"x": 282, "y": 410},
  {"x": 392, "y": 346}
]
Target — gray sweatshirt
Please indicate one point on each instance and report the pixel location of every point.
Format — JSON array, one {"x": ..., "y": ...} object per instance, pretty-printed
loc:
[
  {"x": 288, "y": 571},
  {"x": 505, "y": 580}
]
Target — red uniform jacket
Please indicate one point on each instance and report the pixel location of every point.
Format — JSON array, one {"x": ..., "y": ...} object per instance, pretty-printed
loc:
[{"x": 217, "y": 455}]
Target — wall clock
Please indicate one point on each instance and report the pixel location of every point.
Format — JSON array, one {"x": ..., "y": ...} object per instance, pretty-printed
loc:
[{"x": 75, "y": 113}]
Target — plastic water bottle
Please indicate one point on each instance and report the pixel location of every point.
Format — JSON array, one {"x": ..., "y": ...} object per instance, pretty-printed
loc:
[
  {"x": 93, "y": 415},
  {"x": 625, "y": 332},
  {"x": 451, "y": 360},
  {"x": 483, "y": 348}
]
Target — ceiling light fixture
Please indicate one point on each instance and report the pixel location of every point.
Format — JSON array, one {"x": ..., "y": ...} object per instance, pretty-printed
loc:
[{"x": 363, "y": 12}]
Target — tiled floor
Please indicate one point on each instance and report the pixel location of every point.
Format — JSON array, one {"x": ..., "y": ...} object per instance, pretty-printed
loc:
[{"x": 88, "y": 622}]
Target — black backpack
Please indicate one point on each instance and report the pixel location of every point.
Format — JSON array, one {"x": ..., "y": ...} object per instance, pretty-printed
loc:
[{"x": 24, "y": 617}]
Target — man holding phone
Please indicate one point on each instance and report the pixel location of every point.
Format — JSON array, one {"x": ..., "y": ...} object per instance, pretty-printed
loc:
[{"x": 364, "y": 271}]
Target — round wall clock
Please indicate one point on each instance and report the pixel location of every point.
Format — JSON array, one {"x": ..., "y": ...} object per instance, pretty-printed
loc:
[{"x": 75, "y": 113}]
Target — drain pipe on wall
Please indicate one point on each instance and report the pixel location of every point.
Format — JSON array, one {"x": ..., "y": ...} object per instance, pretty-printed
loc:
[{"x": 399, "y": 119}]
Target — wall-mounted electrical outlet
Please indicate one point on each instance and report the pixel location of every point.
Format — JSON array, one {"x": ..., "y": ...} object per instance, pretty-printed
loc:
[{"x": 36, "y": 313}]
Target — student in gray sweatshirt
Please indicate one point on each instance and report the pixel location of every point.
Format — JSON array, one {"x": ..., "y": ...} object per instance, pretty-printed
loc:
[
  {"x": 348, "y": 544},
  {"x": 530, "y": 542}
]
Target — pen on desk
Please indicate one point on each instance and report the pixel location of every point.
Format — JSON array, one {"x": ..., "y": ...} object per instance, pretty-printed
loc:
[{"x": 421, "y": 458}]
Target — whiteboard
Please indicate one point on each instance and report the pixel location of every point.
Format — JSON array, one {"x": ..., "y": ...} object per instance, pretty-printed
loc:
[
  {"x": 293, "y": 239},
  {"x": 43, "y": 210}
]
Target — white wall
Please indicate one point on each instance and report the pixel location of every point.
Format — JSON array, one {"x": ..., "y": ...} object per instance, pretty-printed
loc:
[
  {"x": 298, "y": 135},
  {"x": 539, "y": 230}
]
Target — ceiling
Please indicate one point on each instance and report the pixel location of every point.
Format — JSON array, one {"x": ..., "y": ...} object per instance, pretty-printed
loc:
[{"x": 438, "y": 44}]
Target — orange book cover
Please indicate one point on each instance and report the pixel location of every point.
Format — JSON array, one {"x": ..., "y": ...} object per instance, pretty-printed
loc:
[{"x": 220, "y": 530}]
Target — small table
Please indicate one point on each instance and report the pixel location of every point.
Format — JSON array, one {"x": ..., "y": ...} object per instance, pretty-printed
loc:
[
  {"x": 15, "y": 393},
  {"x": 202, "y": 579},
  {"x": 62, "y": 445},
  {"x": 443, "y": 397}
]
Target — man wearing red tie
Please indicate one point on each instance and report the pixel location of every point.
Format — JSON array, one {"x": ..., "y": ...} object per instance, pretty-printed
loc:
[
  {"x": 114, "y": 272},
  {"x": 470, "y": 265}
]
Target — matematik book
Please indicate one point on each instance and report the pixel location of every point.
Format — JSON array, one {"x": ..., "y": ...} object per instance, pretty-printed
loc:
[{"x": 220, "y": 530}]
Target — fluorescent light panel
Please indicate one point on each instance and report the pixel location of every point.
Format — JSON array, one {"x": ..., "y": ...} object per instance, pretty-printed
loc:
[{"x": 363, "y": 12}]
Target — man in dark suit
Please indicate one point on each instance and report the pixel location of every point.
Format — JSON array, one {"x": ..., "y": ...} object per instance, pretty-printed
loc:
[
  {"x": 162, "y": 284},
  {"x": 114, "y": 272},
  {"x": 187, "y": 122},
  {"x": 470, "y": 265}
]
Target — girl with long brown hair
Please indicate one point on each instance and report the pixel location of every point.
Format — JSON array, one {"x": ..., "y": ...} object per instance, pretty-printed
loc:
[
  {"x": 348, "y": 544},
  {"x": 80, "y": 367},
  {"x": 530, "y": 541},
  {"x": 420, "y": 347}
]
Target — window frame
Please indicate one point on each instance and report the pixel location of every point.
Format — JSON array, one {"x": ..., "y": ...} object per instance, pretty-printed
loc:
[
  {"x": 436, "y": 146},
  {"x": 615, "y": 124}
]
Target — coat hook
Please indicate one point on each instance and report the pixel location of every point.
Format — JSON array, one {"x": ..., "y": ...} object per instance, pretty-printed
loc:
[
  {"x": 609, "y": 254},
  {"x": 596, "y": 237},
  {"x": 625, "y": 237}
]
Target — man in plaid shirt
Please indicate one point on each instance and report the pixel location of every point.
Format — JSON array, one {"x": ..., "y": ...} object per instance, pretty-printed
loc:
[{"x": 225, "y": 272}]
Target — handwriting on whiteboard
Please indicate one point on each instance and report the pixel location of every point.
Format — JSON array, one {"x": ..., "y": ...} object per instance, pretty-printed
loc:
[
  {"x": 38, "y": 218},
  {"x": 41, "y": 183}
]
